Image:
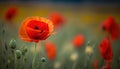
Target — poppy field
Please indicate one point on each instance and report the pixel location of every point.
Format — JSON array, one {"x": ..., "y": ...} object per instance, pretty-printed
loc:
[{"x": 59, "y": 35}]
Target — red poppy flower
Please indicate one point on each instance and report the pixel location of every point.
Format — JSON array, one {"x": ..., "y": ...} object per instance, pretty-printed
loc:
[
  {"x": 78, "y": 40},
  {"x": 57, "y": 19},
  {"x": 106, "y": 50},
  {"x": 95, "y": 64},
  {"x": 111, "y": 27},
  {"x": 10, "y": 13},
  {"x": 34, "y": 29},
  {"x": 108, "y": 66},
  {"x": 50, "y": 50}
]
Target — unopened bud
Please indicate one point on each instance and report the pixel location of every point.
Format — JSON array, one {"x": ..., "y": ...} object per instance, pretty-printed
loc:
[
  {"x": 18, "y": 54},
  {"x": 12, "y": 44},
  {"x": 43, "y": 59}
]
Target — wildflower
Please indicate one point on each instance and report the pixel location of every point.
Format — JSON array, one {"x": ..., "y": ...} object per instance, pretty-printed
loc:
[
  {"x": 57, "y": 19},
  {"x": 78, "y": 40},
  {"x": 106, "y": 50},
  {"x": 50, "y": 50},
  {"x": 110, "y": 26},
  {"x": 11, "y": 13},
  {"x": 34, "y": 29}
]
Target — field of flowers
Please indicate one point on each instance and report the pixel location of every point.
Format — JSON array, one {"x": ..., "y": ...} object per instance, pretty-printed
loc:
[{"x": 59, "y": 36}]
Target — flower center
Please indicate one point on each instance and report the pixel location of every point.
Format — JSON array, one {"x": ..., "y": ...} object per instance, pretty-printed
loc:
[
  {"x": 36, "y": 37},
  {"x": 36, "y": 28}
]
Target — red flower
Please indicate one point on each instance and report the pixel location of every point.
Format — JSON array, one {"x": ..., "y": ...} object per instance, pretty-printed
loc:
[
  {"x": 50, "y": 50},
  {"x": 111, "y": 27},
  {"x": 10, "y": 13},
  {"x": 57, "y": 19},
  {"x": 95, "y": 64},
  {"x": 106, "y": 50},
  {"x": 108, "y": 66},
  {"x": 34, "y": 29},
  {"x": 78, "y": 40}
]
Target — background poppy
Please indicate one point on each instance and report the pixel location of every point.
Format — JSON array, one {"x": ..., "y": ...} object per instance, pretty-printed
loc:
[
  {"x": 95, "y": 64},
  {"x": 10, "y": 13},
  {"x": 78, "y": 40},
  {"x": 108, "y": 66},
  {"x": 106, "y": 49},
  {"x": 57, "y": 19},
  {"x": 110, "y": 26},
  {"x": 50, "y": 50}
]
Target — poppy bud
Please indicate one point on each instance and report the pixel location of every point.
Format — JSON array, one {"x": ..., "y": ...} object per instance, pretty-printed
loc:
[
  {"x": 43, "y": 59},
  {"x": 88, "y": 43},
  {"x": 18, "y": 54},
  {"x": 12, "y": 44},
  {"x": 24, "y": 50},
  {"x": 25, "y": 59}
]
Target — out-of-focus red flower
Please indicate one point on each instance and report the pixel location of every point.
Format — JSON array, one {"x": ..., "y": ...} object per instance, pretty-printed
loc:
[
  {"x": 110, "y": 26},
  {"x": 106, "y": 50},
  {"x": 34, "y": 29},
  {"x": 11, "y": 13},
  {"x": 95, "y": 64},
  {"x": 78, "y": 40},
  {"x": 108, "y": 66},
  {"x": 57, "y": 19},
  {"x": 50, "y": 50}
]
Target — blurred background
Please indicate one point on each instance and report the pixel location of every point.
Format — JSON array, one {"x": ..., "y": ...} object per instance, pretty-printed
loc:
[{"x": 81, "y": 17}]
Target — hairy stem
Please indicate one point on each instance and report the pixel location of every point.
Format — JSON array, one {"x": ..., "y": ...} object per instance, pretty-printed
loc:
[{"x": 33, "y": 63}]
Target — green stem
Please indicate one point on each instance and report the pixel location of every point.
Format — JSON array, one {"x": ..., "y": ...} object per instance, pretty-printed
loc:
[
  {"x": 23, "y": 61},
  {"x": 42, "y": 65},
  {"x": 33, "y": 63},
  {"x": 102, "y": 63},
  {"x": 37, "y": 65},
  {"x": 15, "y": 60},
  {"x": 74, "y": 64}
]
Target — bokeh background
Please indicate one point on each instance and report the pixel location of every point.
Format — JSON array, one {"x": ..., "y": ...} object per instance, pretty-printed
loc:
[{"x": 81, "y": 17}]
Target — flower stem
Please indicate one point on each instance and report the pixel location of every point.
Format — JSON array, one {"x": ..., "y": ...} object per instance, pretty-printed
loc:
[
  {"x": 23, "y": 61},
  {"x": 15, "y": 60},
  {"x": 102, "y": 64},
  {"x": 33, "y": 63},
  {"x": 74, "y": 64},
  {"x": 42, "y": 65},
  {"x": 87, "y": 61}
]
